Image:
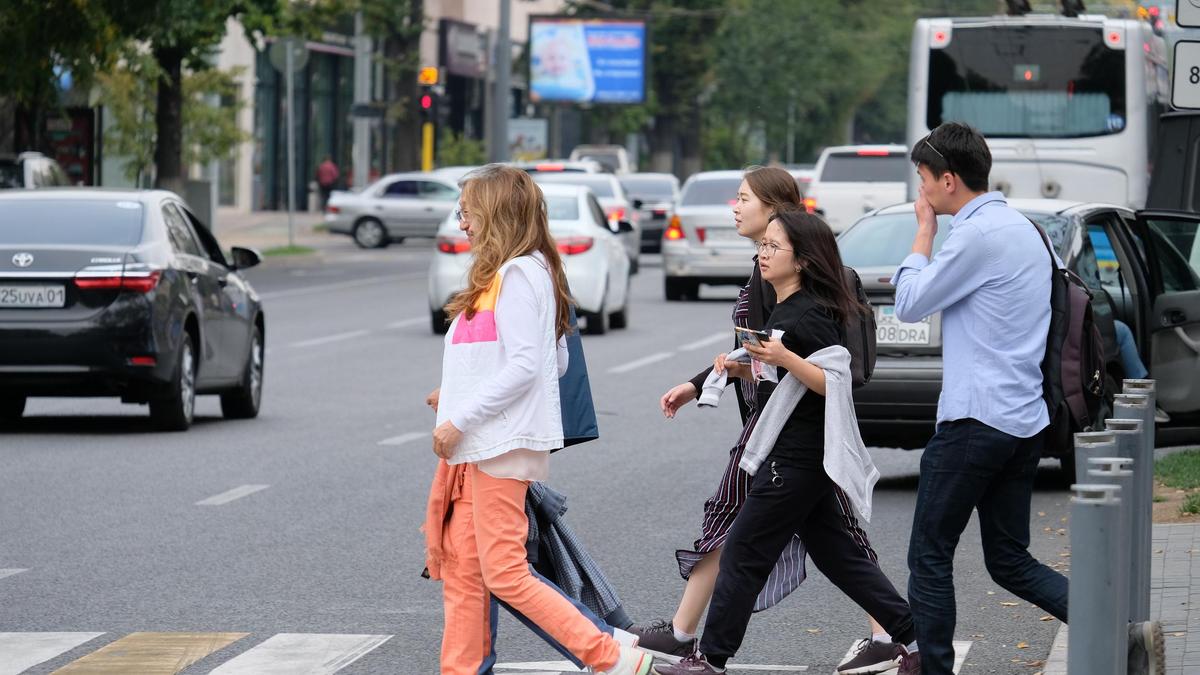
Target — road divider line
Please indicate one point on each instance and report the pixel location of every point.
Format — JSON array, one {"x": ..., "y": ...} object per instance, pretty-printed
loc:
[
  {"x": 151, "y": 653},
  {"x": 638, "y": 363},
  {"x": 326, "y": 288},
  {"x": 310, "y": 653},
  {"x": 11, "y": 571},
  {"x": 408, "y": 322},
  {"x": 406, "y": 438},
  {"x": 21, "y": 651},
  {"x": 704, "y": 342},
  {"x": 230, "y": 495},
  {"x": 337, "y": 337}
]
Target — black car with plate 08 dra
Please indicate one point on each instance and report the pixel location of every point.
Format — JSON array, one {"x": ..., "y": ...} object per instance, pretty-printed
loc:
[{"x": 124, "y": 293}]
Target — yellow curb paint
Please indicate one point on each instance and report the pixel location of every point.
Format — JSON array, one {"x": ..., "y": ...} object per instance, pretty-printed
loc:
[{"x": 150, "y": 653}]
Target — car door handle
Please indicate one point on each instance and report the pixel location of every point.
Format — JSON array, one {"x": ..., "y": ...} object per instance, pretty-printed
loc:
[
  {"x": 1187, "y": 340},
  {"x": 1174, "y": 317}
]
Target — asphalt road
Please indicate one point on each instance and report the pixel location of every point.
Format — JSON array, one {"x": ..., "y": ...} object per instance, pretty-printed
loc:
[{"x": 101, "y": 515}]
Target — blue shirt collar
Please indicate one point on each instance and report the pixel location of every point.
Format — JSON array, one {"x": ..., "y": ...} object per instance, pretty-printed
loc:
[{"x": 975, "y": 204}]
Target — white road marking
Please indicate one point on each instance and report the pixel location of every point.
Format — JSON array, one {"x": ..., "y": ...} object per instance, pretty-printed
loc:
[
  {"x": 230, "y": 495},
  {"x": 704, "y": 342},
  {"x": 961, "y": 647},
  {"x": 326, "y": 288},
  {"x": 312, "y": 654},
  {"x": 638, "y": 363},
  {"x": 337, "y": 337},
  {"x": 22, "y": 651},
  {"x": 405, "y": 438},
  {"x": 408, "y": 322},
  {"x": 11, "y": 571},
  {"x": 559, "y": 667}
]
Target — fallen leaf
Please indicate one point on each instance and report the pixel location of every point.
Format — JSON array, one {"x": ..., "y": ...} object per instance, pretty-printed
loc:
[
  {"x": 814, "y": 631},
  {"x": 1022, "y": 645},
  {"x": 1042, "y": 514},
  {"x": 1010, "y": 604},
  {"x": 1046, "y": 618},
  {"x": 991, "y": 592}
]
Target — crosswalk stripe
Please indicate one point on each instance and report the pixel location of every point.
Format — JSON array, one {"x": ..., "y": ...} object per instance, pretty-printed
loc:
[
  {"x": 9, "y": 571},
  {"x": 405, "y": 438},
  {"x": 150, "y": 654},
  {"x": 311, "y": 654},
  {"x": 560, "y": 667},
  {"x": 231, "y": 495},
  {"x": 21, "y": 651}
]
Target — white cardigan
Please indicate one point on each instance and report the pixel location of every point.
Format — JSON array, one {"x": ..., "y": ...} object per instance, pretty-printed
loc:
[{"x": 500, "y": 369}]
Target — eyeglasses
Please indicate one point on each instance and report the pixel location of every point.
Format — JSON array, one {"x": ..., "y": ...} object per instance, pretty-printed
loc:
[
  {"x": 460, "y": 215},
  {"x": 768, "y": 249},
  {"x": 939, "y": 154}
]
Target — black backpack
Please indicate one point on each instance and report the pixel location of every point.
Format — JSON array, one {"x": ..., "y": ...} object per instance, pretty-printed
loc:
[
  {"x": 860, "y": 333},
  {"x": 1073, "y": 366}
]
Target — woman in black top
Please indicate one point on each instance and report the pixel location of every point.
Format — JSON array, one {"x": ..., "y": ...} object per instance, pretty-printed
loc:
[{"x": 791, "y": 494}]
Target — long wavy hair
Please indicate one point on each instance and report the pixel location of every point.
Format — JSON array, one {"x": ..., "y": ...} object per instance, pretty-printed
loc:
[
  {"x": 815, "y": 249},
  {"x": 509, "y": 215},
  {"x": 774, "y": 187}
]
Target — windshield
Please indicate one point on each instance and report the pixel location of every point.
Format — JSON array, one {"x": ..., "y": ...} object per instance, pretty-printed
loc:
[
  {"x": 886, "y": 240},
  {"x": 852, "y": 167},
  {"x": 654, "y": 188},
  {"x": 76, "y": 222},
  {"x": 601, "y": 185},
  {"x": 10, "y": 175},
  {"x": 1028, "y": 81},
  {"x": 562, "y": 207},
  {"x": 711, "y": 192}
]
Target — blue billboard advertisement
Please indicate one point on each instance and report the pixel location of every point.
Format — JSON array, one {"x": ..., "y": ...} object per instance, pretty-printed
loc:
[{"x": 587, "y": 60}]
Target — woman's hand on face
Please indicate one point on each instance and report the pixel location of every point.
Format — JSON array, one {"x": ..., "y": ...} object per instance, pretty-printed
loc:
[
  {"x": 772, "y": 352},
  {"x": 432, "y": 399},
  {"x": 445, "y": 439},
  {"x": 676, "y": 398}
]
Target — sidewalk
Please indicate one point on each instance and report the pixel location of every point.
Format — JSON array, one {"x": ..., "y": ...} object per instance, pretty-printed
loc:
[
  {"x": 1174, "y": 600},
  {"x": 264, "y": 230}
]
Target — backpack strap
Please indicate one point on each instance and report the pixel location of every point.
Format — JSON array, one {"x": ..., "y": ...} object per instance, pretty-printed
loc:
[{"x": 1045, "y": 242}]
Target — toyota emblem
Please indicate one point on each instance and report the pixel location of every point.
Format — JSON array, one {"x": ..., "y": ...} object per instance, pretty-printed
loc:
[{"x": 23, "y": 259}]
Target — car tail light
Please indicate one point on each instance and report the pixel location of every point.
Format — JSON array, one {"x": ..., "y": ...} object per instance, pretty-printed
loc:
[
  {"x": 810, "y": 204},
  {"x": 700, "y": 234},
  {"x": 674, "y": 231},
  {"x": 330, "y": 208},
  {"x": 872, "y": 153},
  {"x": 453, "y": 245},
  {"x": 137, "y": 277},
  {"x": 549, "y": 167},
  {"x": 574, "y": 245},
  {"x": 143, "y": 361},
  {"x": 659, "y": 213}
]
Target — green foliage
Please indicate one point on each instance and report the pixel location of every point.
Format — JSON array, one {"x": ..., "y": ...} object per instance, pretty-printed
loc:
[
  {"x": 1180, "y": 470},
  {"x": 210, "y": 131},
  {"x": 1191, "y": 504},
  {"x": 458, "y": 150},
  {"x": 280, "y": 251}
]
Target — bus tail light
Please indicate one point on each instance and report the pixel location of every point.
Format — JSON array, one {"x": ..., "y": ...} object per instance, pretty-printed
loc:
[
  {"x": 1114, "y": 36},
  {"x": 939, "y": 34}
]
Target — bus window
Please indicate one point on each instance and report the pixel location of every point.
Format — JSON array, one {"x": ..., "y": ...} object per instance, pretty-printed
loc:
[{"x": 1028, "y": 82}]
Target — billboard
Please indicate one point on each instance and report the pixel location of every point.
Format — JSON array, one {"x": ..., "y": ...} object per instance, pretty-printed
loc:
[{"x": 587, "y": 60}]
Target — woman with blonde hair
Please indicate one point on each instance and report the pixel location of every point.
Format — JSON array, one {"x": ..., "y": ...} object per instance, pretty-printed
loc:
[{"x": 498, "y": 418}]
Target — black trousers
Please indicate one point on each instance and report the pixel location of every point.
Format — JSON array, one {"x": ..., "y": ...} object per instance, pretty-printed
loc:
[{"x": 788, "y": 497}]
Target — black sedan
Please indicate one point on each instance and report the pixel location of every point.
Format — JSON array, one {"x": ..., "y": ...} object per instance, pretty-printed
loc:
[
  {"x": 1148, "y": 277},
  {"x": 124, "y": 293}
]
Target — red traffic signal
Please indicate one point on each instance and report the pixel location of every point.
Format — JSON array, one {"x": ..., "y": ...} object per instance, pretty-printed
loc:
[{"x": 426, "y": 102}]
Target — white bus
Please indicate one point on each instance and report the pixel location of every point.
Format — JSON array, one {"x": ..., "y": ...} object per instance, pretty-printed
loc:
[{"x": 1069, "y": 106}]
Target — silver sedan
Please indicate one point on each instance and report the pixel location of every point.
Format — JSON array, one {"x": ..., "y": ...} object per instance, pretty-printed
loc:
[{"x": 396, "y": 206}]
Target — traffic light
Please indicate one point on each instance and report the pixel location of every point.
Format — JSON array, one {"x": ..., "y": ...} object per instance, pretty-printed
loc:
[{"x": 427, "y": 103}]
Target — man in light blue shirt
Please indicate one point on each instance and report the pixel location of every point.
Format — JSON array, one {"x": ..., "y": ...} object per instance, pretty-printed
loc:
[{"x": 991, "y": 282}]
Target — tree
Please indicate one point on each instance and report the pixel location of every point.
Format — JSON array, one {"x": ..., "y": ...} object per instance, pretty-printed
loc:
[
  {"x": 44, "y": 41},
  {"x": 396, "y": 27}
]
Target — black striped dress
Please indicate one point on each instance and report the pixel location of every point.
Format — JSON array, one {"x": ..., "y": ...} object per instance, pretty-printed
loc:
[{"x": 722, "y": 508}]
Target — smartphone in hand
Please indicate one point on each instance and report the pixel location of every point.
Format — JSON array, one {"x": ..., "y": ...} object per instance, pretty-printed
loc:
[{"x": 750, "y": 336}]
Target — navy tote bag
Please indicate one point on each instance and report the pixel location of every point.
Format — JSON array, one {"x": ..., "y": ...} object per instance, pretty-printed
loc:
[{"x": 575, "y": 393}]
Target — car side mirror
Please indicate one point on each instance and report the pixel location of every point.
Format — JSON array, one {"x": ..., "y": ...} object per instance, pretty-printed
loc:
[
  {"x": 244, "y": 258},
  {"x": 624, "y": 226},
  {"x": 637, "y": 203}
]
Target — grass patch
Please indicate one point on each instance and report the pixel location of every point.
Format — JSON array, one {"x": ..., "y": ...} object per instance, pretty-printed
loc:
[
  {"x": 1180, "y": 470},
  {"x": 321, "y": 227},
  {"x": 1159, "y": 499},
  {"x": 288, "y": 250},
  {"x": 1191, "y": 504}
]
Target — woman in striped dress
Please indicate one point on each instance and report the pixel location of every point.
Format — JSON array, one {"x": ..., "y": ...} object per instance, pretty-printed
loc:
[{"x": 764, "y": 190}]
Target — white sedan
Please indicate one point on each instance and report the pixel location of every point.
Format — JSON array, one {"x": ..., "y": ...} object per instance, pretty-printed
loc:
[
  {"x": 597, "y": 266},
  {"x": 396, "y": 206}
]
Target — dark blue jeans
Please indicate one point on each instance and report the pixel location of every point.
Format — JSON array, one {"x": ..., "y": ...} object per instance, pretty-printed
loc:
[{"x": 969, "y": 465}]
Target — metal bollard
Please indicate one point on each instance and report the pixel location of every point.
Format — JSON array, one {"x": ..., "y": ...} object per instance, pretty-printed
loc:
[
  {"x": 1129, "y": 445},
  {"x": 1116, "y": 471},
  {"x": 1093, "y": 595},
  {"x": 1137, "y": 407},
  {"x": 1089, "y": 444}
]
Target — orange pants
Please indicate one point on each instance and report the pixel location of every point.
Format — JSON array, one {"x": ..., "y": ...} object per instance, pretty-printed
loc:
[{"x": 485, "y": 538}]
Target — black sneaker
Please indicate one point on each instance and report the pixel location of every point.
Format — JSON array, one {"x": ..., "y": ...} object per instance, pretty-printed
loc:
[
  {"x": 870, "y": 657},
  {"x": 658, "y": 638}
]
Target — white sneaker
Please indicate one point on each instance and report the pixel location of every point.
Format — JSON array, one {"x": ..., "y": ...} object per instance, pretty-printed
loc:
[{"x": 633, "y": 661}]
